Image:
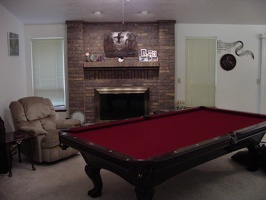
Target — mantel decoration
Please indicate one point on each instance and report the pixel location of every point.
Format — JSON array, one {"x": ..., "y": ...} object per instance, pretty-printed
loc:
[
  {"x": 13, "y": 44},
  {"x": 120, "y": 44},
  {"x": 87, "y": 57},
  {"x": 148, "y": 55}
]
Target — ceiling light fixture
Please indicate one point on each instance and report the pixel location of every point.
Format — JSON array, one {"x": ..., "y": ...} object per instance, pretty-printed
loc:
[
  {"x": 123, "y": 11},
  {"x": 144, "y": 12},
  {"x": 97, "y": 12}
]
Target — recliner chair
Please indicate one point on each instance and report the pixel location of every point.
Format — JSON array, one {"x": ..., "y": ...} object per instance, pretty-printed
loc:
[{"x": 36, "y": 116}]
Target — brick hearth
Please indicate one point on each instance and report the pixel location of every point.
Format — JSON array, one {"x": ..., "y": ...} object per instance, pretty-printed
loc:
[{"x": 84, "y": 77}]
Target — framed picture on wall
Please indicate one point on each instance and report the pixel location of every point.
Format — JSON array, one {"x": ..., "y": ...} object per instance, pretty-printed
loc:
[
  {"x": 154, "y": 54},
  {"x": 13, "y": 44},
  {"x": 143, "y": 52}
]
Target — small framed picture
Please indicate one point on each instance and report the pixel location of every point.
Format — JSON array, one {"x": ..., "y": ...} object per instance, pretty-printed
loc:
[
  {"x": 154, "y": 54},
  {"x": 143, "y": 52},
  {"x": 13, "y": 44}
]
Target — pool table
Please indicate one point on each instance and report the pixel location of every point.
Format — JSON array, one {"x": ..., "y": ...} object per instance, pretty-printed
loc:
[{"x": 148, "y": 150}]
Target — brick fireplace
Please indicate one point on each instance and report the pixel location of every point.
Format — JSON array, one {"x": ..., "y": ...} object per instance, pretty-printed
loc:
[{"x": 85, "y": 77}]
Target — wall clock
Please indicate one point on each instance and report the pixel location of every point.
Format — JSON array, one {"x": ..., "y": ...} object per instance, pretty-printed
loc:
[{"x": 228, "y": 62}]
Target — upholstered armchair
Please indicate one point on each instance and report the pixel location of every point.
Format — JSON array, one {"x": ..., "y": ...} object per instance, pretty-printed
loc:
[{"x": 36, "y": 116}]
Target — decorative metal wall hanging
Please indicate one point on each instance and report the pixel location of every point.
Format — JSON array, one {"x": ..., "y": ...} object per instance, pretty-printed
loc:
[
  {"x": 120, "y": 44},
  {"x": 239, "y": 50}
]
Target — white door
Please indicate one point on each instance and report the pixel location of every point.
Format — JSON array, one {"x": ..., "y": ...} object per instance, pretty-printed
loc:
[{"x": 200, "y": 71}]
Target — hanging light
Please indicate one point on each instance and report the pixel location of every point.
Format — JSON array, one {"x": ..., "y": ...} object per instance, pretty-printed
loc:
[{"x": 123, "y": 11}]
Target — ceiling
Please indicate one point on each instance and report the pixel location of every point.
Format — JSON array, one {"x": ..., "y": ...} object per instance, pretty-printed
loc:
[{"x": 183, "y": 11}]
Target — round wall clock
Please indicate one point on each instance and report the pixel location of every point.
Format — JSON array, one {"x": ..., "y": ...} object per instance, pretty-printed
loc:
[{"x": 228, "y": 62}]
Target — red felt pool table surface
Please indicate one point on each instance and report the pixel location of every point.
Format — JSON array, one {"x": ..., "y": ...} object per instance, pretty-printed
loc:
[{"x": 145, "y": 138}]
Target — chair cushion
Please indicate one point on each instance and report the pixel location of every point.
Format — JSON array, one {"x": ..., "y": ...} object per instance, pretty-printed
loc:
[
  {"x": 67, "y": 123},
  {"x": 48, "y": 123},
  {"x": 51, "y": 140},
  {"x": 33, "y": 131},
  {"x": 35, "y": 107}
]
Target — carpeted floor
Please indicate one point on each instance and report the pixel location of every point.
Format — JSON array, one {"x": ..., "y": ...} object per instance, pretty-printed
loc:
[{"x": 220, "y": 179}]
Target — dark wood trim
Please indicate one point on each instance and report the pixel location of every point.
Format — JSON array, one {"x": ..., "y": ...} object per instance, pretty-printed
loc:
[
  {"x": 114, "y": 64},
  {"x": 119, "y": 22},
  {"x": 60, "y": 109}
]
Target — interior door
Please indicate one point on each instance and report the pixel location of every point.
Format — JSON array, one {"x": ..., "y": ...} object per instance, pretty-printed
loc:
[{"x": 200, "y": 71}]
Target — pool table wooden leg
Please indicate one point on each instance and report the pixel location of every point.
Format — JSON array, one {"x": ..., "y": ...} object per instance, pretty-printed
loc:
[
  {"x": 95, "y": 176},
  {"x": 253, "y": 158},
  {"x": 144, "y": 194}
]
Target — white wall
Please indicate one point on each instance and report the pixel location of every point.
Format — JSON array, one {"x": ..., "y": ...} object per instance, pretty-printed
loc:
[
  {"x": 236, "y": 89},
  {"x": 13, "y": 69}
]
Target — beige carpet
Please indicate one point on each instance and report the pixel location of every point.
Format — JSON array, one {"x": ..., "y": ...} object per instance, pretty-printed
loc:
[{"x": 220, "y": 179}]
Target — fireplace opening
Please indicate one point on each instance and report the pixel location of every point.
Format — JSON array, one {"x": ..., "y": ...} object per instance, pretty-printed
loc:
[{"x": 121, "y": 103}]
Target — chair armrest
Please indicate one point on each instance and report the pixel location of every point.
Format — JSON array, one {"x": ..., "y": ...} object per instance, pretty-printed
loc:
[
  {"x": 32, "y": 131},
  {"x": 67, "y": 123}
]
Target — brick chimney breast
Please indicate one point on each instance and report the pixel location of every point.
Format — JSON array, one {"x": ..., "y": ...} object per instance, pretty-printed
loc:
[{"x": 85, "y": 37}]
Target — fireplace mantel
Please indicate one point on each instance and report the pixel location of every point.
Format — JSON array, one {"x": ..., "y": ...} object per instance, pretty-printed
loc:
[
  {"x": 121, "y": 70},
  {"x": 112, "y": 65}
]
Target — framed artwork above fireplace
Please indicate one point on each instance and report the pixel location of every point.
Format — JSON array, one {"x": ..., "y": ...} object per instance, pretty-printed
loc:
[{"x": 120, "y": 44}]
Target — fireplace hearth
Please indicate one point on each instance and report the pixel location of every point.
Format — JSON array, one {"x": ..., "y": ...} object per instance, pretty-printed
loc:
[{"x": 120, "y": 103}]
